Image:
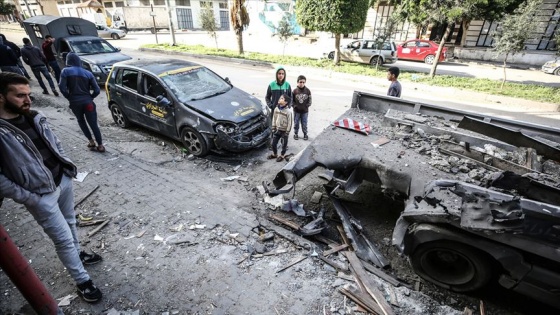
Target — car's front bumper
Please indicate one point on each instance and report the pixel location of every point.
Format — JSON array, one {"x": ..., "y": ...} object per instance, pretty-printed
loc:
[
  {"x": 550, "y": 68},
  {"x": 239, "y": 143}
]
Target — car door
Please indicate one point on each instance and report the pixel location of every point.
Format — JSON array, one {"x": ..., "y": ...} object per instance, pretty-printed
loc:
[
  {"x": 103, "y": 32},
  {"x": 125, "y": 94},
  {"x": 365, "y": 52},
  {"x": 160, "y": 118},
  {"x": 407, "y": 50},
  {"x": 347, "y": 52},
  {"x": 422, "y": 50}
]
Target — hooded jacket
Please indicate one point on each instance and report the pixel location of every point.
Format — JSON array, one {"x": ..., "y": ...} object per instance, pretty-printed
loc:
[
  {"x": 33, "y": 56},
  {"x": 23, "y": 175},
  {"x": 8, "y": 57},
  {"x": 12, "y": 45},
  {"x": 76, "y": 82},
  {"x": 276, "y": 89}
]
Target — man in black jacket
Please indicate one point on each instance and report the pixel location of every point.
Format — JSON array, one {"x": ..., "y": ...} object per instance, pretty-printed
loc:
[
  {"x": 17, "y": 51},
  {"x": 8, "y": 59},
  {"x": 35, "y": 58}
]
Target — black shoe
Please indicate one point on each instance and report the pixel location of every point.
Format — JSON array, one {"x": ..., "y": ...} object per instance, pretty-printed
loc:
[
  {"x": 89, "y": 259},
  {"x": 46, "y": 92},
  {"x": 89, "y": 292},
  {"x": 305, "y": 137},
  {"x": 55, "y": 93},
  {"x": 296, "y": 136}
]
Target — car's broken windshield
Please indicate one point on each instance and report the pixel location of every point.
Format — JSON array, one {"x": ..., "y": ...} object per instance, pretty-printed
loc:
[
  {"x": 195, "y": 84},
  {"x": 89, "y": 47}
]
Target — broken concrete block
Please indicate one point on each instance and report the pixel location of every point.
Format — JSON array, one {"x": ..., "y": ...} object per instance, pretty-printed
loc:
[
  {"x": 415, "y": 118},
  {"x": 316, "y": 198},
  {"x": 275, "y": 201}
]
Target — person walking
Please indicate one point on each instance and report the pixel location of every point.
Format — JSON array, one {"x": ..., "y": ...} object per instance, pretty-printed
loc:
[
  {"x": 395, "y": 87},
  {"x": 17, "y": 51},
  {"x": 49, "y": 54},
  {"x": 35, "y": 172},
  {"x": 8, "y": 59},
  {"x": 35, "y": 58},
  {"x": 302, "y": 102},
  {"x": 76, "y": 84},
  {"x": 282, "y": 121}
]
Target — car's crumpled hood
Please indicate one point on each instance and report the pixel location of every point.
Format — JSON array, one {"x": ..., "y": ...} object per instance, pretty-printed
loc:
[
  {"x": 234, "y": 105},
  {"x": 105, "y": 59}
]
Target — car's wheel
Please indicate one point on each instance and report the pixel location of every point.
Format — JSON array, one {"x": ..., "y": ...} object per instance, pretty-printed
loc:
[
  {"x": 376, "y": 60},
  {"x": 429, "y": 59},
  {"x": 115, "y": 36},
  {"x": 556, "y": 71},
  {"x": 119, "y": 117},
  {"x": 331, "y": 55},
  {"x": 194, "y": 142},
  {"x": 452, "y": 265}
]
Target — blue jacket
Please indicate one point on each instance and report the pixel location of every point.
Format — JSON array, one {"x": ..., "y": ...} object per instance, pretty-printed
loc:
[
  {"x": 23, "y": 176},
  {"x": 76, "y": 82}
]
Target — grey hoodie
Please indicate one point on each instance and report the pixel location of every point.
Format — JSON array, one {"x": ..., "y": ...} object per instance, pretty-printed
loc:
[{"x": 23, "y": 176}]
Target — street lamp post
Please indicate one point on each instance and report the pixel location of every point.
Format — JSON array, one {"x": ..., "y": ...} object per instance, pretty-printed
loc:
[{"x": 173, "y": 43}]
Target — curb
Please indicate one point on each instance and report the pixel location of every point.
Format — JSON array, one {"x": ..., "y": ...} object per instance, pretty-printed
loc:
[{"x": 212, "y": 57}]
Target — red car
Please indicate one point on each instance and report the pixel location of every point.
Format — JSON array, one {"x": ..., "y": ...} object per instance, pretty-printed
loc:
[{"x": 420, "y": 49}]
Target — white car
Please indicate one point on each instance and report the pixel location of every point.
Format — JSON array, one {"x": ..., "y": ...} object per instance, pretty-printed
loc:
[
  {"x": 552, "y": 66},
  {"x": 107, "y": 32}
]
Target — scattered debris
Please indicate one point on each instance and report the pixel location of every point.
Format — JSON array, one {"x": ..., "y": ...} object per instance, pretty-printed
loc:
[
  {"x": 85, "y": 197},
  {"x": 80, "y": 176},
  {"x": 316, "y": 198},
  {"x": 350, "y": 124},
  {"x": 90, "y": 222},
  {"x": 66, "y": 300},
  {"x": 379, "y": 142},
  {"x": 97, "y": 229},
  {"x": 295, "y": 261},
  {"x": 295, "y": 207},
  {"x": 158, "y": 238},
  {"x": 229, "y": 178}
]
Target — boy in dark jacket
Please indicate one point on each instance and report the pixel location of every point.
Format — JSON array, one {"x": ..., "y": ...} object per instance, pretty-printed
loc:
[
  {"x": 302, "y": 102},
  {"x": 76, "y": 84},
  {"x": 277, "y": 88}
]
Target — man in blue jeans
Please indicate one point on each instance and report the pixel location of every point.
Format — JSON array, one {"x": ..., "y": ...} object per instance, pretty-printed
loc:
[
  {"x": 35, "y": 58},
  {"x": 77, "y": 84},
  {"x": 35, "y": 172}
]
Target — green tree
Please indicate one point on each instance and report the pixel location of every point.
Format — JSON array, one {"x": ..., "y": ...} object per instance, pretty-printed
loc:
[
  {"x": 209, "y": 22},
  {"x": 515, "y": 29},
  {"x": 240, "y": 20},
  {"x": 6, "y": 8},
  {"x": 384, "y": 31},
  {"x": 284, "y": 31},
  {"x": 335, "y": 16}
]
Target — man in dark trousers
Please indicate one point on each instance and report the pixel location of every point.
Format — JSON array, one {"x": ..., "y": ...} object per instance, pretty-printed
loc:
[
  {"x": 49, "y": 54},
  {"x": 35, "y": 172},
  {"x": 35, "y": 58}
]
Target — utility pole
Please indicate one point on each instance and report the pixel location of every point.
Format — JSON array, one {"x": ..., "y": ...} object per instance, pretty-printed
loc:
[
  {"x": 153, "y": 14},
  {"x": 173, "y": 43}
]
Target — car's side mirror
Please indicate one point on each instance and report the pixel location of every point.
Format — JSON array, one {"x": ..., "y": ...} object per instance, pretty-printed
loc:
[
  {"x": 163, "y": 101},
  {"x": 118, "y": 49},
  {"x": 227, "y": 80}
]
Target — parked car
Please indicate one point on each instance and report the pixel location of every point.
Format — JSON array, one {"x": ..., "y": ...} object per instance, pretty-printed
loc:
[
  {"x": 367, "y": 51},
  {"x": 188, "y": 102},
  {"x": 552, "y": 67},
  {"x": 107, "y": 32},
  {"x": 421, "y": 50}
]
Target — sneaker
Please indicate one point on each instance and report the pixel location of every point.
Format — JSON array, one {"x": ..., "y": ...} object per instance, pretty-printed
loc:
[
  {"x": 89, "y": 292},
  {"x": 296, "y": 136},
  {"x": 55, "y": 93},
  {"x": 89, "y": 259},
  {"x": 305, "y": 137},
  {"x": 46, "y": 92}
]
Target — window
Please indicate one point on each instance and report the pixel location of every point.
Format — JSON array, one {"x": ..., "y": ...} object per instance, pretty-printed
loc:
[
  {"x": 423, "y": 44},
  {"x": 184, "y": 3},
  {"x": 152, "y": 87},
  {"x": 159, "y": 2},
  {"x": 206, "y": 4},
  {"x": 145, "y": 2},
  {"x": 119, "y": 4},
  {"x": 108, "y": 4},
  {"x": 130, "y": 79},
  {"x": 223, "y": 5}
]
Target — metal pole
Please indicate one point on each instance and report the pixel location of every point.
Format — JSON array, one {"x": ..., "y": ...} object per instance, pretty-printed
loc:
[
  {"x": 173, "y": 43},
  {"x": 24, "y": 278},
  {"x": 154, "y": 19},
  {"x": 28, "y": 8}
]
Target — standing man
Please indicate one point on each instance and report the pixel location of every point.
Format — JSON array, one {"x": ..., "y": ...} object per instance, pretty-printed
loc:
[
  {"x": 49, "y": 54},
  {"x": 302, "y": 102},
  {"x": 35, "y": 172},
  {"x": 395, "y": 87},
  {"x": 8, "y": 59},
  {"x": 35, "y": 58},
  {"x": 77, "y": 84},
  {"x": 277, "y": 88},
  {"x": 17, "y": 51}
]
